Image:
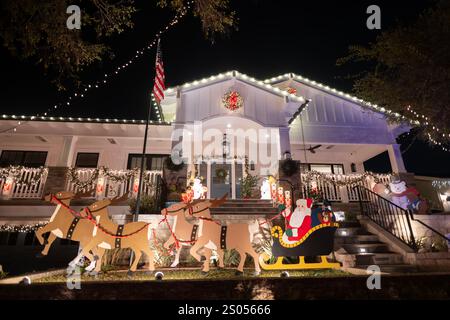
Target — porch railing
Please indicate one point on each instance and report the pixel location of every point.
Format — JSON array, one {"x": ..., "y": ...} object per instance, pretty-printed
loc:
[
  {"x": 339, "y": 187},
  {"x": 116, "y": 183},
  {"x": 387, "y": 215},
  {"x": 22, "y": 183}
]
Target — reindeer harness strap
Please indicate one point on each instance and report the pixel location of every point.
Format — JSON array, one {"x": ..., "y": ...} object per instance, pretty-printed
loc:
[
  {"x": 72, "y": 227},
  {"x": 194, "y": 233},
  {"x": 119, "y": 233},
  {"x": 223, "y": 237}
]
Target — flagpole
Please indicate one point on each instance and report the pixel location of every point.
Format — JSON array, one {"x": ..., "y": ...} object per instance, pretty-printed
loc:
[{"x": 141, "y": 172}]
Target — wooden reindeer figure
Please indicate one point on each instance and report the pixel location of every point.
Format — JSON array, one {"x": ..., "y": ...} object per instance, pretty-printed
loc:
[
  {"x": 67, "y": 224},
  {"x": 182, "y": 232},
  {"x": 107, "y": 234},
  {"x": 213, "y": 235}
]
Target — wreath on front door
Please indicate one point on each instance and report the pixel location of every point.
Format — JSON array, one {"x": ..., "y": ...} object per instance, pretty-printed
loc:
[
  {"x": 221, "y": 173},
  {"x": 232, "y": 100}
]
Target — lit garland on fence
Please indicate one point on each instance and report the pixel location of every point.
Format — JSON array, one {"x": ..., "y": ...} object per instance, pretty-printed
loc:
[
  {"x": 23, "y": 228},
  {"x": 341, "y": 180},
  {"x": 440, "y": 184},
  {"x": 16, "y": 172},
  {"x": 107, "y": 76},
  {"x": 73, "y": 174}
]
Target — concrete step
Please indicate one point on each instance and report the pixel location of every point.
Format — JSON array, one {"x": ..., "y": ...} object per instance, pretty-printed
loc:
[
  {"x": 240, "y": 205},
  {"x": 351, "y": 231},
  {"x": 255, "y": 210},
  {"x": 365, "y": 238},
  {"x": 374, "y": 247},
  {"x": 393, "y": 268},
  {"x": 386, "y": 258},
  {"x": 349, "y": 224}
]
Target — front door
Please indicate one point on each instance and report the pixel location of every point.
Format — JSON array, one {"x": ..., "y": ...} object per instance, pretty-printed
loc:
[{"x": 220, "y": 180}]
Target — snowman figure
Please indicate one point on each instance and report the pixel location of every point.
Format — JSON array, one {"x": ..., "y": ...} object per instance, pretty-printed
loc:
[
  {"x": 197, "y": 188},
  {"x": 265, "y": 190},
  {"x": 298, "y": 223},
  {"x": 399, "y": 193}
]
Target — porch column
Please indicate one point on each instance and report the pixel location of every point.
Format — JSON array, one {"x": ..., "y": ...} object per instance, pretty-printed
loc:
[
  {"x": 208, "y": 179},
  {"x": 285, "y": 142},
  {"x": 56, "y": 179},
  {"x": 67, "y": 151},
  {"x": 233, "y": 179},
  {"x": 396, "y": 159}
]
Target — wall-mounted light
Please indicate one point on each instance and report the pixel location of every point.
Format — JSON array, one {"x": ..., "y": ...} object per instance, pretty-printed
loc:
[{"x": 287, "y": 155}]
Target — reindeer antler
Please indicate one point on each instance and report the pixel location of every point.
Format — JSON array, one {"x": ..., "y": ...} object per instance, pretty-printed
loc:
[
  {"x": 87, "y": 193},
  {"x": 217, "y": 202},
  {"x": 122, "y": 198}
]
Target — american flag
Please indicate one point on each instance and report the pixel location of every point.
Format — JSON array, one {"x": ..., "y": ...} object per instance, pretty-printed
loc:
[{"x": 159, "y": 87}]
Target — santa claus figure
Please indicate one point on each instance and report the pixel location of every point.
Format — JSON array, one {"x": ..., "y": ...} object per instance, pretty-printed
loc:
[{"x": 298, "y": 223}]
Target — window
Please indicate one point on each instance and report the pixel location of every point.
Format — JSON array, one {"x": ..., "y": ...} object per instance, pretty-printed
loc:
[
  {"x": 323, "y": 168},
  {"x": 152, "y": 161},
  {"x": 23, "y": 158},
  {"x": 86, "y": 160}
]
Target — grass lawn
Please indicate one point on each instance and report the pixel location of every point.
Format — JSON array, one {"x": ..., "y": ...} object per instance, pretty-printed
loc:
[{"x": 194, "y": 274}]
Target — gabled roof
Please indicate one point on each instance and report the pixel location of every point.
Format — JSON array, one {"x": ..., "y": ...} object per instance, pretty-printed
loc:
[
  {"x": 237, "y": 75},
  {"x": 332, "y": 91}
]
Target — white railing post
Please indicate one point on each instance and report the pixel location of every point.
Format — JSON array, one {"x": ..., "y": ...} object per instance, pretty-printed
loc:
[
  {"x": 7, "y": 188},
  {"x": 100, "y": 188}
]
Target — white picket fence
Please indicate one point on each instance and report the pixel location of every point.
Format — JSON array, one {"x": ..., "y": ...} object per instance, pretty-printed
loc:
[
  {"x": 346, "y": 193},
  {"x": 10, "y": 189},
  {"x": 106, "y": 187}
]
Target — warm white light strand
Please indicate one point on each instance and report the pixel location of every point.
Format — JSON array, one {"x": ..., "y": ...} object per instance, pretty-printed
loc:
[{"x": 81, "y": 93}]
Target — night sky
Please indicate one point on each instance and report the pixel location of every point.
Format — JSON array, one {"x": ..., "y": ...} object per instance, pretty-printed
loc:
[{"x": 273, "y": 37}]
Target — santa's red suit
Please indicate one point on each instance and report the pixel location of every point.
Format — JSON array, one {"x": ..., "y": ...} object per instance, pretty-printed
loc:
[{"x": 299, "y": 221}]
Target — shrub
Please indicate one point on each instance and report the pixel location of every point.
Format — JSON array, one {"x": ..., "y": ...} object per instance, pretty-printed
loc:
[
  {"x": 147, "y": 206},
  {"x": 249, "y": 183}
]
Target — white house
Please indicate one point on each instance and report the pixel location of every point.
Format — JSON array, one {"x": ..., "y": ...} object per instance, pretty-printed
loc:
[{"x": 216, "y": 125}]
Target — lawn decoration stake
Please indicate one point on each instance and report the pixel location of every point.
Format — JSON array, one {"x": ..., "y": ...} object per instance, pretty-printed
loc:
[
  {"x": 66, "y": 223},
  {"x": 309, "y": 231},
  {"x": 215, "y": 236},
  {"x": 109, "y": 235}
]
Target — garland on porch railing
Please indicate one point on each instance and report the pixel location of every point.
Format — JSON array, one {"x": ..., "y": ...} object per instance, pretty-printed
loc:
[
  {"x": 342, "y": 180},
  {"x": 24, "y": 228},
  {"x": 16, "y": 173},
  {"x": 73, "y": 175},
  {"x": 439, "y": 184}
]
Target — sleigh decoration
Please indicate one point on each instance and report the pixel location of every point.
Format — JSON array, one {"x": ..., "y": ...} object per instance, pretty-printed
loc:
[{"x": 315, "y": 238}]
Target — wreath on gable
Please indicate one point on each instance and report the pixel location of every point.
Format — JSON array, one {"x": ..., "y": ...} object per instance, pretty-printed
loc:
[{"x": 232, "y": 100}]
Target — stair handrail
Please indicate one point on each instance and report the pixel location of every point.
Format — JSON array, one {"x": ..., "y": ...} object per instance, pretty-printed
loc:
[{"x": 385, "y": 210}]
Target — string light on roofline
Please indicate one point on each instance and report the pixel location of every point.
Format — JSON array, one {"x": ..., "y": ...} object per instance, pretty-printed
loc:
[
  {"x": 414, "y": 122},
  {"x": 239, "y": 76},
  {"x": 81, "y": 92}
]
